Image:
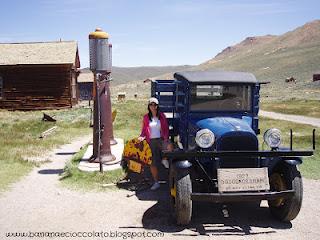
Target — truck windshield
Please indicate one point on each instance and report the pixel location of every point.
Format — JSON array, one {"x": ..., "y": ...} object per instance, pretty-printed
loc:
[{"x": 220, "y": 98}]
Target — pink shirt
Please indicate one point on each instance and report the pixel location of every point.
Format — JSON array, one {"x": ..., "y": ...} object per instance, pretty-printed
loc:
[{"x": 164, "y": 132}]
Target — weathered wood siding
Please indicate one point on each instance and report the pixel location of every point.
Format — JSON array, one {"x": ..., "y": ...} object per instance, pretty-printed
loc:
[{"x": 28, "y": 87}]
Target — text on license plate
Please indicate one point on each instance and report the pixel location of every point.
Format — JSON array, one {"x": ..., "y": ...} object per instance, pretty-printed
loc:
[{"x": 242, "y": 179}]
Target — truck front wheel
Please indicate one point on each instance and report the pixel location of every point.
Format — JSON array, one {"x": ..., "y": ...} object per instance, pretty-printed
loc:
[
  {"x": 286, "y": 178},
  {"x": 180, "y": 195}
]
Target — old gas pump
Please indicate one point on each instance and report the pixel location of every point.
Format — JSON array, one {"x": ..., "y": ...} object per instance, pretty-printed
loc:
[{"x": 100, "y": 65}]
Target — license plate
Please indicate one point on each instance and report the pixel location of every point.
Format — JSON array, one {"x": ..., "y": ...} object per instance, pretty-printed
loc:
[
  {"x": 134, "y": 166},
  {"x": 242, "y": 179}
]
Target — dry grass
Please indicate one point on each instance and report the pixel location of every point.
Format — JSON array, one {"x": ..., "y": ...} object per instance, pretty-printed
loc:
[
  {"x": 19, "y": 138},
  {"x": 309, "y": 108}
]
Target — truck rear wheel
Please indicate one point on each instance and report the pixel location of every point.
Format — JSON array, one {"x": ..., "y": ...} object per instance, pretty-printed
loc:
[
  {"x": 286, "y": 178},
  {"x": 180, "y": 195}
]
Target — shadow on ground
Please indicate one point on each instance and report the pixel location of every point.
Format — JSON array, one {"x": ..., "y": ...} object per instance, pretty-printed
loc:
[
  {"x": 65, "y": 153},
  {"x": 207, "y": 218},
  {"x": 51, "y": 171}
]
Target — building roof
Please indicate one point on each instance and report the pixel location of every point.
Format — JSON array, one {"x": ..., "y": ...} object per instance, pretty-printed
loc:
[
  {"x": 216, "y": 76},
  {"x": 85, "y": 77},
  {"x": 63, "y": 52}
]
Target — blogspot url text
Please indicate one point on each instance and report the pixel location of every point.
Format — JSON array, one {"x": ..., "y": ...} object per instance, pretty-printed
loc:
[{"x": 92, "y": 234}]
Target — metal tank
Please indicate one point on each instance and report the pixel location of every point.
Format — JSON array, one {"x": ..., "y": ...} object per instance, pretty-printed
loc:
[
  {"x": 100, "y": 65},
  {"x": 99, "y": 51}
]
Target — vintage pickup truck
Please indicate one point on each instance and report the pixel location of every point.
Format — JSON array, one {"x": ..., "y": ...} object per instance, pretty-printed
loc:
[{"x": 213, "y": 117}]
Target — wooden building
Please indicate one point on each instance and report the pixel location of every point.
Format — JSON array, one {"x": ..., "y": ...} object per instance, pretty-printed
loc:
[
  {"x": 40, "y": 75},
  {"x": 316, "y": 76},
  {"x": 85, "y": 84}
]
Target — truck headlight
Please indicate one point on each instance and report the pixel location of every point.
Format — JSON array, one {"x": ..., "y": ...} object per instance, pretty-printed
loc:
[
  {"x": 204, "y": 138},
  {"x": 272, "y": 137}
]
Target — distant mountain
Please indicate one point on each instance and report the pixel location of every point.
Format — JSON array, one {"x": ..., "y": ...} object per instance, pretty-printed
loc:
[
  {"x": 130, "y": 79},
  {"x": 275, "y": 58},
  {"x": 124, "y": 75}
]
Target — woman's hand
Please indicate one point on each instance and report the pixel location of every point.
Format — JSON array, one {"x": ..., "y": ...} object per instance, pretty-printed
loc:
[{"x": 140, "y": 139}]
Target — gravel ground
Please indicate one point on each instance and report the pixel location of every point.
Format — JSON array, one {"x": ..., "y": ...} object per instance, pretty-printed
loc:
[{"x": 38, "y": 204}]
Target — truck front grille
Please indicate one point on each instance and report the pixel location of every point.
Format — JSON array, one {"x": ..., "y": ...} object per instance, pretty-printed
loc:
[{"x": 238, "y": 143}]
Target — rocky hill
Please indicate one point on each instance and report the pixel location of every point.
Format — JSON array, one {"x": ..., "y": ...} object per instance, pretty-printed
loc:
[{"x": 275, "y": 58}]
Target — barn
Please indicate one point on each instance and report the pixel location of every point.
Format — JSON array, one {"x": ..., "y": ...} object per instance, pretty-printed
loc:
[
  {"x": 39, "y": 75},
  {"x": 85, "y": 83},
  {"x": 316, "y": 76}
]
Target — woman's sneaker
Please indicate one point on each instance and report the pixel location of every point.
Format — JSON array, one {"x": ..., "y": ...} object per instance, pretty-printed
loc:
[
  {"x": 165, "y": 163},
  {"x": 155, "y": 186}
]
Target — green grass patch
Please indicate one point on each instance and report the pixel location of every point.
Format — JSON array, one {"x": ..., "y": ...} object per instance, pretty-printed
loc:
[
  {"x": 74, "y": 178},
  {"x": 309, "y": 108},
  {"x": 19, "y": 138},
  {"x": 128, "y": 122},
  {"x": 302, "y": 140}
]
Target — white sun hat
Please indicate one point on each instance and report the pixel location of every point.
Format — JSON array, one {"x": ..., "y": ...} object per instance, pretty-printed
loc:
[{"x": 153, "y": 100}]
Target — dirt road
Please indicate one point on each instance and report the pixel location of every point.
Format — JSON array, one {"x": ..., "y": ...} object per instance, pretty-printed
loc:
[
  {"x": 38, "y": 204},
  {"x": 292, "y": 118}
]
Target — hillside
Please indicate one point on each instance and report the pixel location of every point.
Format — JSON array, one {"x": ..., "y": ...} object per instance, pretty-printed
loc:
[
  {"x": 130, "y": 79},
  {"x": 275, "y": 58},
  {"x": 124, "y": 75}
]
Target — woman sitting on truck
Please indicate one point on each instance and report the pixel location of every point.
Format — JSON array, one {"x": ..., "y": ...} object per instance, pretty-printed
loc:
[{"x": 155, "y": 130}]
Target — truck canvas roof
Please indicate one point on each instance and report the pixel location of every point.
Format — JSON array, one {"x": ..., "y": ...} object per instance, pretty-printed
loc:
[{"x": 216, "y": 76}]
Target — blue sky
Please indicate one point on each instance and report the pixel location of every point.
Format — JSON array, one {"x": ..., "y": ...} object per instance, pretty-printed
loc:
[{"x": 153, "y": 32}]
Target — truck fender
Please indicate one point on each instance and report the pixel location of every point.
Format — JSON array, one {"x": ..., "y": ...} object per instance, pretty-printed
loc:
[
  {"x": 283, "y": 160},
  {"x": 293, "y": 160}
]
